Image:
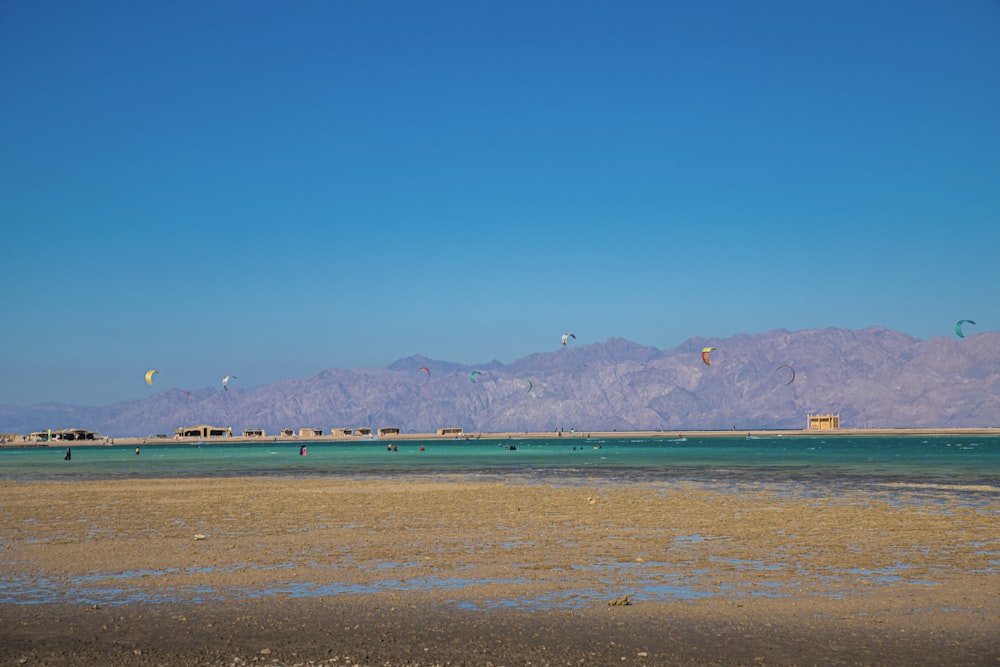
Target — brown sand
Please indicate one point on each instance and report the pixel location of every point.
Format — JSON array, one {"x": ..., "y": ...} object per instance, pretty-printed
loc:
[{"x": 459, "y": 572}]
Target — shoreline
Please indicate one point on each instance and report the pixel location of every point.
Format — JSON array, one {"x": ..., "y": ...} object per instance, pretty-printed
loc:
[{"x": 519, "y": 435}]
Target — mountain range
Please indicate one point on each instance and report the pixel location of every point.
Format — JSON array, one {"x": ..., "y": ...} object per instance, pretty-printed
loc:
[{"x": 872, "y": 377}]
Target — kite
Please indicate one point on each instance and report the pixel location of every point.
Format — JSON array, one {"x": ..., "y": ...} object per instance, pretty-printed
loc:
[
  {"x": 225, "y": 381},
  {"x": 472, "y": 376},
  {"x": 149, "y": 375},
  {"x": 567, "y": 336},
  {"x": 958, "y": 327},
  {"x": 530, "y": 384},
  {"x": 426, "y": 370},
  {"x": 791, "y": 369},
  {"x": 704, "y": 355}
]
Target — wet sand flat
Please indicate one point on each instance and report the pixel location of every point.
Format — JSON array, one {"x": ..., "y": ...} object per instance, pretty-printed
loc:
[{"x": 457, "y": 571}]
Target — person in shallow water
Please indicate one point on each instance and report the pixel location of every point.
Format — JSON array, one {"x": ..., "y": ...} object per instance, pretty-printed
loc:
[
  {"x": 302, "y": 450},
  {"x": 69, "y": 454}
]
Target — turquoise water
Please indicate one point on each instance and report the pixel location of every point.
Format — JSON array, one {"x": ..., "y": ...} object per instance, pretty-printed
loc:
[{"x": 956, "y": 460}]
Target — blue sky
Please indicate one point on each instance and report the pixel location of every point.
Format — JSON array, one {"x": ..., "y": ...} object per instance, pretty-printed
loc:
[{"x": 271, "y": 189}]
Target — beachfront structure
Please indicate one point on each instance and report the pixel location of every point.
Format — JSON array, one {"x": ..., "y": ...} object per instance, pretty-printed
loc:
[
  {"x": 63, "y": 434},
  {"x": 341, "y": 431},
  {"x": 388, "y": 430},
  {"x": 310, "y": 432},
  {"x": 362, "y": 431},
  {"x": 75, "y": 434},
  {"x": 287, "y": 433},
  {"x": 450, "y": 430},
  {"x": 822, "y": 422},
  {"x": 253, "y": 433},
  {"x": 203, "y": 431}
]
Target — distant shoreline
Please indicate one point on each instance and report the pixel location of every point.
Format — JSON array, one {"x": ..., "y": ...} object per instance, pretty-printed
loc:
[{"x": 517, "y": 435}]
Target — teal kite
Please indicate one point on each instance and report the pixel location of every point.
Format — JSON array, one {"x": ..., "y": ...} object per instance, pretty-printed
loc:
[{"x": 958, "y": 327}]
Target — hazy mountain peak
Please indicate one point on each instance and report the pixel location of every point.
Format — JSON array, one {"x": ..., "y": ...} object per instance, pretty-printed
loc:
[{"x": 873, "y": 376}]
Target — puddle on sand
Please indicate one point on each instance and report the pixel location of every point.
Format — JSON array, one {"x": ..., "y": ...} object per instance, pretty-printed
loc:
[{"x": 653, "y": 581}]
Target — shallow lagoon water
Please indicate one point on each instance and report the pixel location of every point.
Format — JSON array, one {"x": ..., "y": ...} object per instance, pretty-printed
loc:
[
  {"x": 947, "y": 461},
  {"x": 906, "y": 470}
]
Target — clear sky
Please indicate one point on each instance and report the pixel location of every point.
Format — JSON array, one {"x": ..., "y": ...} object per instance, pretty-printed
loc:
[{"x": 269, "y": 189}]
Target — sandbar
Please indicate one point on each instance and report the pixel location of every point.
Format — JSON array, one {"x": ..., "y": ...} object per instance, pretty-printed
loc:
[{"x": 163, "y": 439}]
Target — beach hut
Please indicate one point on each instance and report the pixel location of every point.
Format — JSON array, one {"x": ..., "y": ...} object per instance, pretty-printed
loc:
[
  {"x": 203, "y": 431},
  {"x": 310, "y": 432},
  {"x": 388, "y": 430},
  {"x": 73, "y": 434},
  {"x": 253, "y": 433},
  {"x": 450, "y": 430},
  {"x": 50, "y": 435},
  {"x": 823, "y": 422}
]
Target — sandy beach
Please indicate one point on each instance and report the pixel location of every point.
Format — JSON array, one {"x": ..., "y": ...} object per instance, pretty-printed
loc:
[{"x": 452, "y": 571}]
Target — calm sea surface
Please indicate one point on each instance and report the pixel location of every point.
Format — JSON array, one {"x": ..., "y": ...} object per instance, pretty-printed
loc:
[{"x": 932, "y": 461}]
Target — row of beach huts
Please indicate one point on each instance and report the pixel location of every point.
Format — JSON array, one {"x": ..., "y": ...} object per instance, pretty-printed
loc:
[
  {"x": 826, "y": 422},
  {"x": 205, "y": 431}
]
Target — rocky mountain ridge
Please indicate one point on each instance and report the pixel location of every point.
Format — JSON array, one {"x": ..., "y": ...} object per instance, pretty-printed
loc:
[{"x": 871, "y": 377}]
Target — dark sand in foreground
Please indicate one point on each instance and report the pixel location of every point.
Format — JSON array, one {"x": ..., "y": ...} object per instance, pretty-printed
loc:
[{"x": 457, "y": 572}]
